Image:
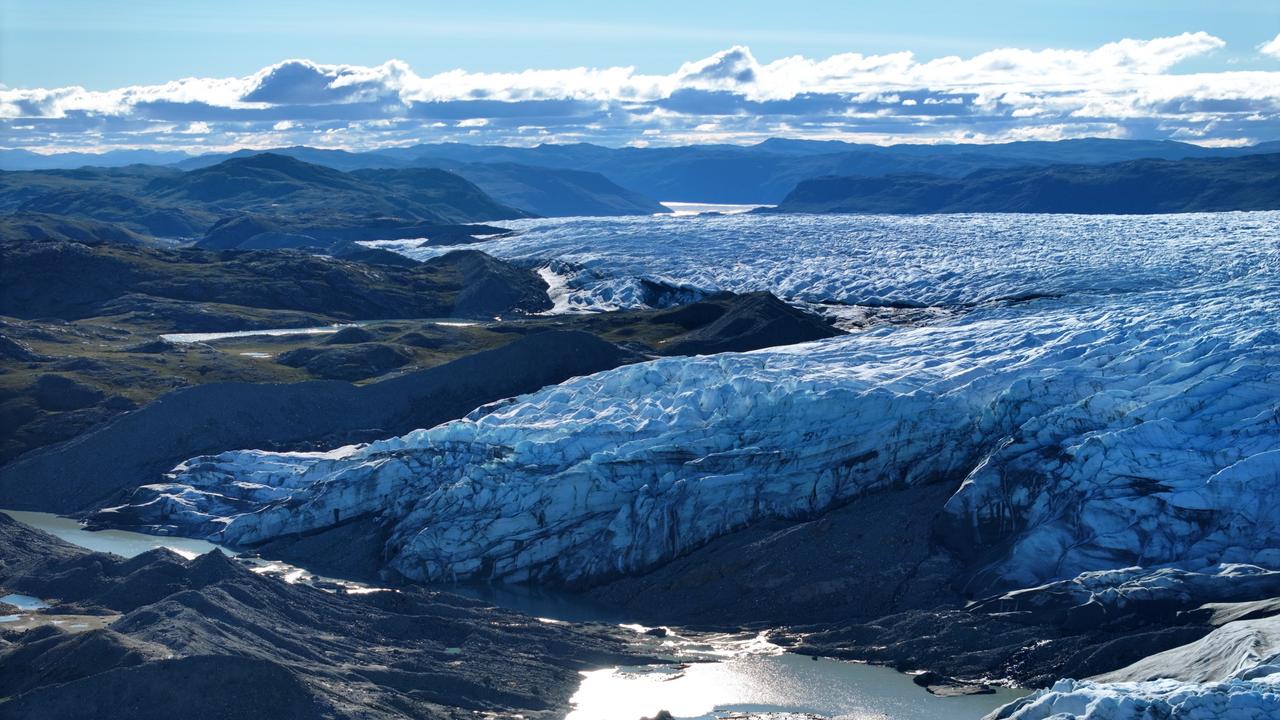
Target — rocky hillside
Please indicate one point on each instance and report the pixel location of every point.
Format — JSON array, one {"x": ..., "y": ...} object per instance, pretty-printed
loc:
[
  {"x": 208, "y": 638},
  {"x": 164, "y": 202},
  {"x": 73, "y": 280}
]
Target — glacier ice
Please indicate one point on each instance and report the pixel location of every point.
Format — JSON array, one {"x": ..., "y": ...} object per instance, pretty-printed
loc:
[
  {"x": 1130, "y": 415},
  {"x": 1234, "y": 699},
  {"x": 1233, "y": 672},
  {"x": 881, "y": 260},
  {"x": 1245, "y": 649},
  {"x": 1153, "y": 593}
]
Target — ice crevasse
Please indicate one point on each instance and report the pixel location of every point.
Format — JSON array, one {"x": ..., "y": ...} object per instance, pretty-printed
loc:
[{"x": 1084, "y": 433}]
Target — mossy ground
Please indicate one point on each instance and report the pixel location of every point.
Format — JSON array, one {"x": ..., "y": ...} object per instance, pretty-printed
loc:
[{"x": 105, "y": 354}]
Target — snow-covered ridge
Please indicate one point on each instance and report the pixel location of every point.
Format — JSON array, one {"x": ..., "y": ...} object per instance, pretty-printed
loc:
[{"x": 1093, "y": 433}]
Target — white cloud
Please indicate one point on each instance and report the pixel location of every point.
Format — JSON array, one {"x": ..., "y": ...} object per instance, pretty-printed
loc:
[
  {"x": 1271, "y": 48},
  {"x": 1123, "y": 87}
]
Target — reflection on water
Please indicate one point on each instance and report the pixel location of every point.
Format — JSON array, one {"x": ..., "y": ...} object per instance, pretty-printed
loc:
[
  {"x": 771, "y": 683},
  {"x": 119, "y": 542}
]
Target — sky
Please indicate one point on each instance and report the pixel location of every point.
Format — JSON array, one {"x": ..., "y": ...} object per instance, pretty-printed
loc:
[{"x": 359, "y": 75}]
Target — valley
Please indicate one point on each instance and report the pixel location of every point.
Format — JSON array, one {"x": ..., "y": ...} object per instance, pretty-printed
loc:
[{"x": 824, "y": 463}]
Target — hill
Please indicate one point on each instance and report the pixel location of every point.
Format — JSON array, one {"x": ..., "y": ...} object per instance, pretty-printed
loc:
[
  {"x": 71, "y": 281},
  {"x": 290, "y": 194},
  {"x": 546, "y": 191},
  {"x": 549, "y": 192},
  {"x": 279, "y": 184},
  {"x": 1135, "y": 187}
]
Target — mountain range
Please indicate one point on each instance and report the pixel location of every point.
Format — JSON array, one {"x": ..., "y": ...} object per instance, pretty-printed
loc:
[
  {"x": 324, "y": 199},
  {"x": 762, "y": 173},
  {"x": 1250, "y": 182}
]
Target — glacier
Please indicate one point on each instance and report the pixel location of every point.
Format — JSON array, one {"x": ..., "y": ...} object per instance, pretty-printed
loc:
[
  {"x": 1233, "y": 699},
  {"x": 878, "y": 260},
  {"x": 1233, "y": 673},
  {"x": 1107, "y": 396}
]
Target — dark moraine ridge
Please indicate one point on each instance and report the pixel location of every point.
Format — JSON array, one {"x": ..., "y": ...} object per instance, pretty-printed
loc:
[
  {"x": 209, "y": 639},
  {"x": 98, "y": 466}
]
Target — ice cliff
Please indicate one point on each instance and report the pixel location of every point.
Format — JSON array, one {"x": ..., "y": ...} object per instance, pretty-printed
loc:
[{"x": 1136, "y": 428}]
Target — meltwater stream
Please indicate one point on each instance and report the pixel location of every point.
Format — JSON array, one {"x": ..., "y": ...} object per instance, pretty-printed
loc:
[{"x": 718, "y": 674}]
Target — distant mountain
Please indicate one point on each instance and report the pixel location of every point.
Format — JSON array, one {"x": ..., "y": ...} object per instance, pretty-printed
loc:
[
  {"x": 287, "y": 193},
  {"x": 336, "y": 159},
  {"x": 540, "y": 190},
  {"x": 1250, "y": 182},
  {"x": 267, "y": 182},
  {"x": 766, "y": 172},
  {"x": 438, "y": 190},
  {"x": 553, "y": 192},
  {"x": 761, "y": 173},
  {"x": 27, "y": 160}
]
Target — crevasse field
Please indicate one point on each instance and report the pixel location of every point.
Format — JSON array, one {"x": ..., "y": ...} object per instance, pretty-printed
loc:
[
  {"x": 1106, "y": 388},
  {"x": 944, "y": 261}
]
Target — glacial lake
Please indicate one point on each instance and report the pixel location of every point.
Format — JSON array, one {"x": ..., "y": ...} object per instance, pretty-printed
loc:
[
  {"x": 771, "y": 683},
  {"x": 689, "y": 208},
  {"x": 121, "y": 542},
  {"x": 188, "y": 338},
  {"x": 724, "y": 673}
]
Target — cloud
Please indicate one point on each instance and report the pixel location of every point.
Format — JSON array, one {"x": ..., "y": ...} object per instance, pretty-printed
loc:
[
  {"x": 1271, "y": 48},
  {"x": 731, "y": 67},
  {"x": 1126, "y": 88}
]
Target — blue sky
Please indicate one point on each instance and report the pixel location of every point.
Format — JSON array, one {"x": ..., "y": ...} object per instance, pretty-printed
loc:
[
  {"x": 165, "y": 74},
  {"x": 100, "y": 45}
]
